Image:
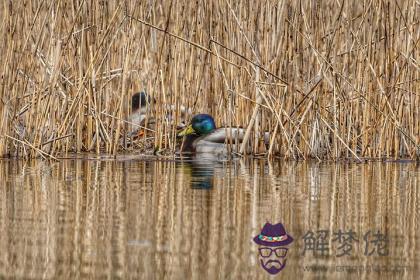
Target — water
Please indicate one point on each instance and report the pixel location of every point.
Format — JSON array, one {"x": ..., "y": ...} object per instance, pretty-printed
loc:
[{"x": 197, "y": 219}]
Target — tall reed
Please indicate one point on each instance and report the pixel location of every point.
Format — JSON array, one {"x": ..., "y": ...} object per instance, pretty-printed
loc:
[{"x": 329, "y": 79}]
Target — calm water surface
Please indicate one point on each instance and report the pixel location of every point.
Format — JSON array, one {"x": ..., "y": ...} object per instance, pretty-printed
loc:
[{"x": 197, "y": 219}]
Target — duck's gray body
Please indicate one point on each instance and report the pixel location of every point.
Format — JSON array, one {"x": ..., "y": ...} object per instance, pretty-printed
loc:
[{"x": 218, "y": 141}]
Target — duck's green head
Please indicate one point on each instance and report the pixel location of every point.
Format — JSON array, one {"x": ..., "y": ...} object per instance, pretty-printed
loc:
[
  {"x": 140, "y": 100},
  {"x": 201, "y": 124}
]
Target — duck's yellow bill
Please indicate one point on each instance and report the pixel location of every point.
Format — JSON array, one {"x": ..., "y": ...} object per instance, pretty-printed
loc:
[
  {"x": 140, "y": 133},
  {"x": 186, "y": 131}
]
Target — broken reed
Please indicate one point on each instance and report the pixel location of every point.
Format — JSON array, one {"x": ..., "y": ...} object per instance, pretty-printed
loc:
[{"x": 328, "y": 79}]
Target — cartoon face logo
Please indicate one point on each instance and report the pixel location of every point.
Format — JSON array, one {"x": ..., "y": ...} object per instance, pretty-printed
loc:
[{"x": 273, "y": 241}]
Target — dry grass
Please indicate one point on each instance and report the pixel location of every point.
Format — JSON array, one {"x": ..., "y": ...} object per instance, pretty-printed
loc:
[{"x": 329, "y": 79}]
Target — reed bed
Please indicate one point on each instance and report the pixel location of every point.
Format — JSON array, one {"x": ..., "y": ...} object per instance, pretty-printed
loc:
[{"x": 328, "y": 79}]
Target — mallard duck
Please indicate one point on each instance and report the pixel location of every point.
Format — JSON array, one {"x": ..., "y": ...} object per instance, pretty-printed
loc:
[
  {"x": 202, "y": 136},
  {"x": 141, "y": 105}
]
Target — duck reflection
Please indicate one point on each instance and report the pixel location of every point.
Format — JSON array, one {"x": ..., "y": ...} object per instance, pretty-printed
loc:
[{"x": 201, "y": 170}]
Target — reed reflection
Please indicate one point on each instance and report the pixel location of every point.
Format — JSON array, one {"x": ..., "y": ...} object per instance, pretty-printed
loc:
[
  {"x": 201, "y": 170},
  {"x": 138, "y": 219}
]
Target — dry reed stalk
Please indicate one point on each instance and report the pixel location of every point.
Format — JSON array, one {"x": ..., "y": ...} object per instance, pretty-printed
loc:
[
  {"x": 68, "y": 70},
  {"x": 39, "y": 151}
]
